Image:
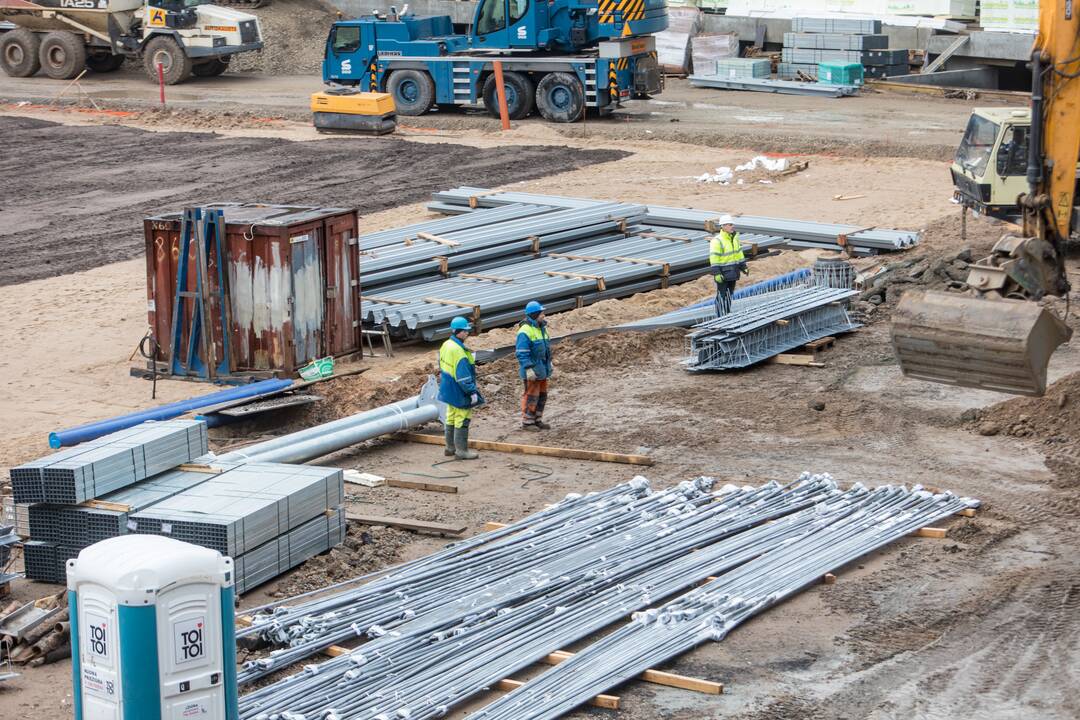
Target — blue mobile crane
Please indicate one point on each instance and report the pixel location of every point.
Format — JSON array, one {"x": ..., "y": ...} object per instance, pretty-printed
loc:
[{"x": 558, "y": 56}]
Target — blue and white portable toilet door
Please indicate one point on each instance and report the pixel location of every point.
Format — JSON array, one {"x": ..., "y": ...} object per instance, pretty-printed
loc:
[{"x": 152, "y": 629}]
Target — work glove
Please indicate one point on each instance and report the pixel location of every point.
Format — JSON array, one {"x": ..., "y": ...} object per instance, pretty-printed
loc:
[
  {"x": 745, "y": 270},
  {"x": 474, "y": 398},
  {"x": 530, "y": 374},
  {"x": 551, "y": 372}
]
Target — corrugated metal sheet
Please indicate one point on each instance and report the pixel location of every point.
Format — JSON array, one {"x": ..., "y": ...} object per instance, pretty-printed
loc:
[{"x": 292, "y": 277}]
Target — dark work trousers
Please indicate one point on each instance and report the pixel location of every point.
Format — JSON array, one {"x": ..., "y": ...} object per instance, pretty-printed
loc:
[{"x": 724, "y": 291}]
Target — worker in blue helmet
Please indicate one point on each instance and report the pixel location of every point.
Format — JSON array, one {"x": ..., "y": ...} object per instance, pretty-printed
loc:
[
  {"x": 533, "y": 348},
  {"x": 457, "y": 388},
  {"x": 726, "y": 263}
]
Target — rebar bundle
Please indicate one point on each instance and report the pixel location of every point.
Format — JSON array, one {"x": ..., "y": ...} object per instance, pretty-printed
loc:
[
  {"x": 575, "y": 544},
  {"x": 772, "y": 323},
  {"x": 846, "y": 528}
]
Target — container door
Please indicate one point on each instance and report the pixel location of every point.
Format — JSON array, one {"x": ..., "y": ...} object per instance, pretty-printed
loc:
[
  {"x": 342, "y": 286},
  {"x": 308, "y": 294}
]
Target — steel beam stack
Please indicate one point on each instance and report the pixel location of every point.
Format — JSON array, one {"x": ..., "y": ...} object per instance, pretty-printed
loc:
[
  {"x": 767, "y": 325},
  {"x": 109, "y": 463},
  {"x": 626, "y": 262},
  {"x": 796, "y": 234}
]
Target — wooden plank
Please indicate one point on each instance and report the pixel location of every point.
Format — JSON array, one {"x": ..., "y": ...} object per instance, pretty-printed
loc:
[
  {"x": 489, "y": 526},
  {"x": 336, "y": 651},
  {"x": 662, "y": 236},
  {"x": 387, "y": 301},
  {"x": 417, "y": 485},
  {"x": 244, "y": 620},
  {"x": 106, "y": 505},
  {"x": 795, "y": 359},
  {"x": 820, "y": 343},
  {"x": 201, "y": 468},
  {"x": 437, "y": 239},
  {"x": 572, "y": 256},
  {"x": 454, "y": 303},
  {"x": 610, "y": 702},
  {"x": 408, "y": 524},
  {"x": 657, "y": 677},
  {"x": 829, "y": 579},
  {"x": 569, "y": 453},
  {"x": 967, "y": 512},
  {"x": 598, "y": 279},
  {"x": 494, "y": 279},
  {"x": 666, "y": 267},
  {"x": 931, "y": 532}
]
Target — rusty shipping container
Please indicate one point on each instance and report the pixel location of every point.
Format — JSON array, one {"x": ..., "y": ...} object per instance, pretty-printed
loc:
[{"x": 292, "y": 284}]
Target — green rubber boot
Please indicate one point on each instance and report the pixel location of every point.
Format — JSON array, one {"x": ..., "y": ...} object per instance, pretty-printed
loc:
[
  {"x": 449, "y": 450},
  {"x": 461, "y": 444}
]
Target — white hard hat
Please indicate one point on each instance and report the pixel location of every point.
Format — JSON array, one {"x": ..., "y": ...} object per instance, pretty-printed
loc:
[{"x": 725, "y": 220}]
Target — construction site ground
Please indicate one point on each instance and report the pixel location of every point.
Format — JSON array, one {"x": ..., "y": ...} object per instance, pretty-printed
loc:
[{"x": 980, "y": 624}]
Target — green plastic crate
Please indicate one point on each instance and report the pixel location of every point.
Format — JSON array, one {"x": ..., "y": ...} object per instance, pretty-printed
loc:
[{"x": 835, "y": 73}]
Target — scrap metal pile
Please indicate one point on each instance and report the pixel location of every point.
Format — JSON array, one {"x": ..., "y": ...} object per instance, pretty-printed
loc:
[
  {"x": 445, "y": 628},
  {"x": 269, "y": 516}
]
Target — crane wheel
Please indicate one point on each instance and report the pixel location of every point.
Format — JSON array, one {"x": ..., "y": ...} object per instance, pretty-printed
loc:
[
  {"x": 520, "y": 95},
  {"x": 175, "y": 64},
  {"x": 62, "y": 55},
  {"x": 210, "y": 68},
  {"x": 19, "y": 52},
  {"x": 104, "y": 63},
  {"x": 560, "y": 97},
  {"x": 413, "y": 91}
]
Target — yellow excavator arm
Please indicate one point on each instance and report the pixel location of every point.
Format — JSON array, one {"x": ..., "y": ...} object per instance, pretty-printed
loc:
[{"x": 996, "y": 336}]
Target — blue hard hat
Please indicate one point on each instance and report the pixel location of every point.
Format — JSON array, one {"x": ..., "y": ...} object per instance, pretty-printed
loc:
[
  {"x": 534, "y": 308},
  {"x": 460, "y": 323}
]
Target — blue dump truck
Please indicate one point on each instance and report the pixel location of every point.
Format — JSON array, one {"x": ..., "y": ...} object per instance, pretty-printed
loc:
[{"x": 559, "y": 57}]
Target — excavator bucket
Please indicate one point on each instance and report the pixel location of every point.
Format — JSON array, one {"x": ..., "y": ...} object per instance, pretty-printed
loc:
[{"x": 993, "y": 344}]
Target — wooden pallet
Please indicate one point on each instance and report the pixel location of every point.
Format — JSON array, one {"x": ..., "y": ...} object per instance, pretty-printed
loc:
[{"x": 809, "y": 355}]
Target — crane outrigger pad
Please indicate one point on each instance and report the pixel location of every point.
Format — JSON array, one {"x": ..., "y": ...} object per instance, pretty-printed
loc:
[{"x": 988, "y": 343}]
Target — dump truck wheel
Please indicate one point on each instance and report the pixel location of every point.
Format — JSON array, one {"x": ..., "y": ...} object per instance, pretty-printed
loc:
[
  {"x": 62, "y": 55},
  {"x": 19, "y": 50},
  {"x": 175, "y": 64},
  {"x": 104, "y": 63},
  {"x": 210, "y": 68},
  {"x": 520, "y": 95},
  {"x": 560, "y": 97},
  {"x": 413, "y": 91}
]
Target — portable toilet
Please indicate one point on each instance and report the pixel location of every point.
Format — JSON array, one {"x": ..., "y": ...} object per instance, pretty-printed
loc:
[{"x": 152, "y": 631}]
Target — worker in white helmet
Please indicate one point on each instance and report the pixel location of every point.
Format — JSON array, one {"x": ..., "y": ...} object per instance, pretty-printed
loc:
[{"x": 726, "y": 262}]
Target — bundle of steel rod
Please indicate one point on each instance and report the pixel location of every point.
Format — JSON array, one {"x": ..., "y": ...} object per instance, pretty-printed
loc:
[
  {"x": 767, "y": 325},
  {"x": 846, "y": 529},
  {"x": 108, "y": 463},
  {"x": 611, "y": 266},
  {"x": 552, "y": 583},
  {"x": 796, "y": 233}
]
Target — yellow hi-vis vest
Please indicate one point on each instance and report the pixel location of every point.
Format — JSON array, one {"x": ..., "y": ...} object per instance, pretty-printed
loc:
[{"x": 725, "y": 249}]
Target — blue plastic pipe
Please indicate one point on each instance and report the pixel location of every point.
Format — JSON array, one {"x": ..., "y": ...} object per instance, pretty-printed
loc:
[
  {"x": 763, "y": 286},
  {"x": 89, "y": 431}
]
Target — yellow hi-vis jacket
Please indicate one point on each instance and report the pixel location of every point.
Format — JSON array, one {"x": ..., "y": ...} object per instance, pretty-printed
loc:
[{"x": 726, "y": 256}]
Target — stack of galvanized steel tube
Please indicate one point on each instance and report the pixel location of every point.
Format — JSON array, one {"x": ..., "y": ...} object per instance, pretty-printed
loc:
[{"x": 445, "y": 628}]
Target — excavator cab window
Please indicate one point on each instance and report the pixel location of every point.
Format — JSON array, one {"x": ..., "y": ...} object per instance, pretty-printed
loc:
[
  {"x": 492, "y": 17},
  {"x": 518, "y": 8},
  {"x": 977, "y": 145},
  {"x": 1012, "y": 155},
  {"x": 346, "y": 39}
]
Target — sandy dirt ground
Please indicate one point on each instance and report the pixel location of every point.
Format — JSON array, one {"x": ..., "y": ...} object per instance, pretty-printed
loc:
[
  {"x": 875, "y": 123},
  {"x": 981, "y": 624}
]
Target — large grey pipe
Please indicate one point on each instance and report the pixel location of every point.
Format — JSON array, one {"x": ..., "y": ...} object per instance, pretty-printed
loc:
[{"x": 284, "y": 448}]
